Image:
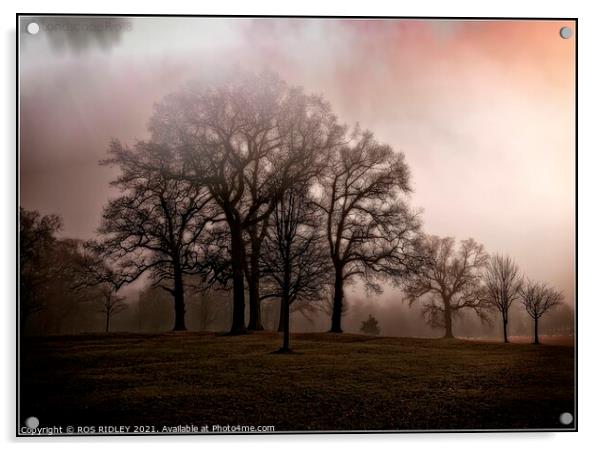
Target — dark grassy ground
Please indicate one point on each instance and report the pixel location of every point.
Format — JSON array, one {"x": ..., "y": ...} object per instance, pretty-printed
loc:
[{"x": 344, "y": 382}]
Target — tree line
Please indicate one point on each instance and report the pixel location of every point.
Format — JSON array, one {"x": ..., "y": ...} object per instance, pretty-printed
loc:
[{"x": 255, "y": 187}]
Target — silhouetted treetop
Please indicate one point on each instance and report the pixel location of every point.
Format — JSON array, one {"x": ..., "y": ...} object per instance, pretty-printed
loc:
[
  {"x": 246, "y": 140},
  {"x": 449, "y": 280},
  {"x": 160, "y": 222},
  {"x": 38, "y": 249},
  {"x": 371, "y": 231},
  {"x": 502, "y": 286},
  {"x": 539, "y": 298}
]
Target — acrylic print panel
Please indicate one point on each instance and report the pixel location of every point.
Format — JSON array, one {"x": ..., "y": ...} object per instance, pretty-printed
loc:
[{"x": 279, "y": 224}]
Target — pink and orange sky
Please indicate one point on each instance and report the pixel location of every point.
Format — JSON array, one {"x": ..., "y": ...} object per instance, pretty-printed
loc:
[{"x": 483, "y": 110}]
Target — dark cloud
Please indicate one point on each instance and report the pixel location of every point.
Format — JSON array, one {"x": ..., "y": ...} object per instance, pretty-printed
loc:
[{"x": 77, "y": 34}]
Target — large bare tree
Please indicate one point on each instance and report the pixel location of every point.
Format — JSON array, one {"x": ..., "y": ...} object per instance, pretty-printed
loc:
[
  {"x": 503, "y": 283},
  {"x": 246, "y": 140},
  {"x": 448, "y": 281},
  {"x": 538, "y": 298},
  {"x": 370, "y": 229},
  {"x": 294, "y": 257},
  {"x": 157, "y": 223}
]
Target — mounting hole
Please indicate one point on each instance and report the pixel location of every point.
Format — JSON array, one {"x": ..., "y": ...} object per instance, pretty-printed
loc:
[
  {"x": 33, "y": 28},
  {"x": 566, "y": 32},
  {"x": 32, "y": 422},
  {"x": 566, "y": 418}
]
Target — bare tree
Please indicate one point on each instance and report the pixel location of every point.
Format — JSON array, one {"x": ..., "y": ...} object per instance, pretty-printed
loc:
[
  {"x": 449, "y": 281},
  {"x": 48, "y": 271},
  {"x": 503, "y": 283},
  {"x": 96, "y": 274},
  {"x": 246, "y": 140},
  {"x": 294, "y": 256},
  {"x": 38, "y": 266},
  {"x": 111, "y": 303},
  {"x": 157, "y": 223},
  {"x": 371, "y": 232},
  {"x": 538, "y": 298}
]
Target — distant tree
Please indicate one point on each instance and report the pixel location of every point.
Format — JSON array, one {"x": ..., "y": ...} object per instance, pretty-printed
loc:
[
  {"x": 37, "y": 263},
  {"x": 207, "y": 313},
  {"x": 370, "y": 230},
  {"x": 246, "y": 140},
  {"x": 64, "y": 302},
  {"x": 538, "y": 298},
  {"x": 207, "y": 303},
  {"x": 370, "y": 326},
  {"x": 449, "y": 280},
  {"x": 560, "y": 321},
  {"x": 95, "y": 273},
  {"x": 154, "y": 308},
  {"x": 111, "y": 304},
  {"x": 157, "y": 224},
  {"x": 503, "y": 283},
  {"x": 48, "y": 301},
  {"x": 294, "y": 257}
]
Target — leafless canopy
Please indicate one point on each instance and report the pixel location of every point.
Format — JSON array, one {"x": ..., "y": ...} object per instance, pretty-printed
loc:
[
  {"x": 370, "y": 230},
  {"x": 294, "y": 255},
  {"x": 538, "y": 298},
  {"x": 159, "y": 222},
  {"x": 110, "y": 304},
  {"x": 503, "y": 283},
  {"x": 246, "y": 141},
  {"x": 38, "y": 265},
  {"x": 449, "y": 280}
]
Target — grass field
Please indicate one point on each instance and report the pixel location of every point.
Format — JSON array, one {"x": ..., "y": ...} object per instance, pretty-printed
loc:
[{"x": 331, "y": 382}]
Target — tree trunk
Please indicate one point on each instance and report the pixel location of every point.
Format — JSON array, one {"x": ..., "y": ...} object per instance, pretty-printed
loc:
[
  {"x": 253, "y": 281},
  {"x": 337, "y": 302},
  {"x": 238, "y": 282},
  {"x": 505, "y": 325},
  {"x": 447, "y": 314},
  {"x": 285, "y": 308},
  {"x": 282, "y": 318},
  {"x": 107, "y": 321},
  {"x": 178, "y": 294},
  {"x": 535, "y": 333}
]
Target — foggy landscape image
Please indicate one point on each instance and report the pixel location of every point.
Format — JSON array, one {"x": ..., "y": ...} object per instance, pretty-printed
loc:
[{"x": 263, "y": 225}]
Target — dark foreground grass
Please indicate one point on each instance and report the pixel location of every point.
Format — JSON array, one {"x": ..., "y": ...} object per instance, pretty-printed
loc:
[{"x": 331, "y": 382}]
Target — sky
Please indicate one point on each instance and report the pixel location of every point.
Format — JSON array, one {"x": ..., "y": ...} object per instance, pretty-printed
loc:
[{"x": 482, "y": 110}]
